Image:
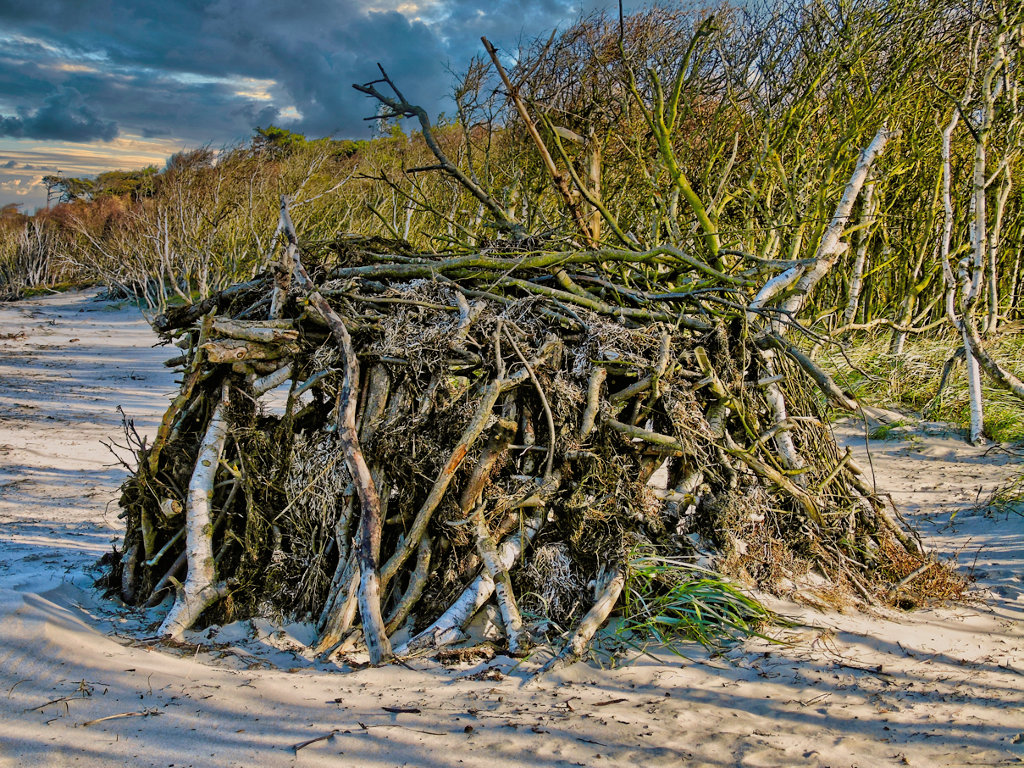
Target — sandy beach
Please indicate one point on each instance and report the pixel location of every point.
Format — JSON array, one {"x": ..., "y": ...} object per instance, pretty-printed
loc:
[{"x": 80, "y": 684}]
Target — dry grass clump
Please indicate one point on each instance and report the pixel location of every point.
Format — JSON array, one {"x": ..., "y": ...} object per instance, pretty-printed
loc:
[
  {"x": 919, "y": 580},
  {"x": 1005, "y": 500},
  {"x": 912, "y": 380}
]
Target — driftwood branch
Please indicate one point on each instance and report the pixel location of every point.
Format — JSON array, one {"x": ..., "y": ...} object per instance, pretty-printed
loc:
[
  {"x": 201, "y": 589},
  {"x": 369, "y": 543},
  {"x": 399, "y": 107}
]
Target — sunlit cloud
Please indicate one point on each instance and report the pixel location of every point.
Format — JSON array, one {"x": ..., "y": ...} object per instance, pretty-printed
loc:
[
  {"x": 33, "y": 160},
  {"x": 411, "y": 10},
  {"x": 71, "y": 56},
  {"x": 16, "y": 187},
  {"x": 73, "y": 159},
  {"x": 258, "y": 95},
  {"x": 253, "y": 88},
  {"x": 67, "y": 66}
]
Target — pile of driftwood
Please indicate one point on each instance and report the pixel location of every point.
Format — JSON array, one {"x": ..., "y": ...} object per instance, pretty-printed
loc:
[{"x": 384, "y": 442}]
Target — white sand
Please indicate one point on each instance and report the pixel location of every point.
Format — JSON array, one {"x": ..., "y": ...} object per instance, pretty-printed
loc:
[{"x": 939, "y": 687}]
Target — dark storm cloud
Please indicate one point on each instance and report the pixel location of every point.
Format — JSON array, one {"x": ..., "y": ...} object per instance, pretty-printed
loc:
[
  {"x": 174, "y": 68},
  {"x": 63, "y": 116},
  {"x": 178, "y": 67},
  {"x": 462, "y": 22}
]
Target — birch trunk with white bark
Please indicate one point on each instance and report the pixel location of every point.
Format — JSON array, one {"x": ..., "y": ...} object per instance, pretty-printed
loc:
[{"x": 200, "y": 590}]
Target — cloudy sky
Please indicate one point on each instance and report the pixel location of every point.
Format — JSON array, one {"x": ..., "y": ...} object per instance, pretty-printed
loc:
[{"x": 91, "y": 85}]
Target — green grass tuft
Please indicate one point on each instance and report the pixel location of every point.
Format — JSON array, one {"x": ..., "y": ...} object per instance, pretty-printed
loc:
[
  {"x": 1007, "y": 499},
  {"x": 671, "y": 600},
  {"x": 894, "y": 431}
]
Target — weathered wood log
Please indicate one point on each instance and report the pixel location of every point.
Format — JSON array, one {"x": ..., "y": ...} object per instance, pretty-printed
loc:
[
  {"x": 265, "y": 331},
  {"x": 374, "y": 631},
  {"x": 488, "y": 397},
  {"x": 182, "y": 402},
  {"x": 417, "y": 583},
  {"x": 610, "y": 587},
  {"x": 448, "y": 627},
  {"x": 238, "y": 350},
  {"x": 597, "y": 376},
  {"x": 170, "y": 508},
  {"x": 276, "y": 378},
  {"x": 180, "y": 317},
  {"x": 496, "y": 447},
  {"x": 340, "y": 611},
  {"x": 201, "y": 589}
]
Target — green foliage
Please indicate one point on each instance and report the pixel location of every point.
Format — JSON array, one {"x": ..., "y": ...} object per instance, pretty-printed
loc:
[
  {"x": 278, "y": 142},
  {"x": 189, "y": 160},
  {"x": 672, "y": 600},
  {"x": 131, "y": 185},
  {"x": 11, "y": 214},
  {"x": 345, "y": 148},
  {"x": 134, "y": 185},
  {"x": 61, "y": 287},
  {"x": 911, "y": 381},
  {"x": 897, "y": 430},
  {"x": 68, "y": 189}
]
